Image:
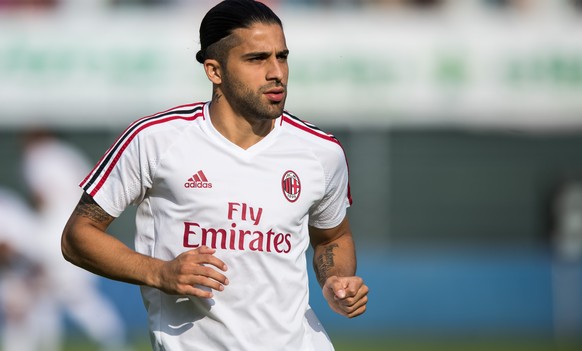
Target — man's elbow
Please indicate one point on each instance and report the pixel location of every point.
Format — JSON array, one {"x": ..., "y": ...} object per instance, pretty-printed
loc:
[{"x": 66, "y": 242}]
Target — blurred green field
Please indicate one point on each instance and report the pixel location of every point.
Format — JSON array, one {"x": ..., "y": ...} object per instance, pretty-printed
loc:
[
  {"x": 454, "y": 345},
  {"x": 379, "y": 344}
]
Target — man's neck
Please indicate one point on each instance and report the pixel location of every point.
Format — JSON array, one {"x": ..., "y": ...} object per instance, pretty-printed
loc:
[{"x": 240, "y": 130}]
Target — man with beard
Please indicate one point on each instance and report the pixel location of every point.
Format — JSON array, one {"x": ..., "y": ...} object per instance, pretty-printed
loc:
[{"x": 230, "y": 195}]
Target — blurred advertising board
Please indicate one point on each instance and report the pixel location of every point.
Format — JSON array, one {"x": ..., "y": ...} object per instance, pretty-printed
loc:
[{"x": 348, "y": 68}]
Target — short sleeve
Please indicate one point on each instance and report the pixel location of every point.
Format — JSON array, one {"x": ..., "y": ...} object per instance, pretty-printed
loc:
[
  {"x": 330, "y": 210},
  {"x": 123, "y": 175}
]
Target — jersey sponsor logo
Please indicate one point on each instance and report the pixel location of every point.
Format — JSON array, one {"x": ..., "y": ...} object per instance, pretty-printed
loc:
[
  {"x": 234, "y": 238},
  {"x": 246, "y": 233},
  {"x": 291, "y": 186},
  {"x": 198, "y": 180}
]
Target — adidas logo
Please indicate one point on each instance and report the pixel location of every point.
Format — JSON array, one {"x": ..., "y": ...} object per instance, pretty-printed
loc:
[{"x": 198, "y": 180}]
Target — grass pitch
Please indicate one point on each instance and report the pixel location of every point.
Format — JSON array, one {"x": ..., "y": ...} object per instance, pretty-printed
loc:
[{"x": 389, "y": 344}]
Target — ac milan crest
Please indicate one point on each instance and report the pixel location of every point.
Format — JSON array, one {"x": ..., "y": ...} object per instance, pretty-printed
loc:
[{"x": 291, "y": 186}]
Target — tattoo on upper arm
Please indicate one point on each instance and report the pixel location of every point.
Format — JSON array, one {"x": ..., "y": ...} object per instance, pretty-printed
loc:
[
  {"x": 324, "y": 263},
  {"x": 88, "y": 208}
]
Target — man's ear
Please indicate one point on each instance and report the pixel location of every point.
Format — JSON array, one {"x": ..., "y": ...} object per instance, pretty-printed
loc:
[{"x": 213, "y": 71}]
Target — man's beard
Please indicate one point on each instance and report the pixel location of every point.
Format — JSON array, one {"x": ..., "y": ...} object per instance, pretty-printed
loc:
[{"x": 250, "y": 104}]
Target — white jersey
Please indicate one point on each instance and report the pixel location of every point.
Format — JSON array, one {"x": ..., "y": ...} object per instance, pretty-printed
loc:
[{"x": 194, "y": 187}]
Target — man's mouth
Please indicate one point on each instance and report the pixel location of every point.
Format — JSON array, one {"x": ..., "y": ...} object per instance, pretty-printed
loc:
[{"x": 275, "y": 95}]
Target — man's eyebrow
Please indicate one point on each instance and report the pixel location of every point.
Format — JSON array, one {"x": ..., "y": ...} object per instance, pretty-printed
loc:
[
  {"x": 256, "y": 54},
  {"x": 264, "y": 54}
]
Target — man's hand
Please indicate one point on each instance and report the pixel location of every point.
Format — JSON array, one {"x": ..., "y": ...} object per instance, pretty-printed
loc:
[
  {"x": 190, "y": 274},
  {"x": 347, "y": 296}
]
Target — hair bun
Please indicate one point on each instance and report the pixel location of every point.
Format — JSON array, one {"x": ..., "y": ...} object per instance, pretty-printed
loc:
[{"x": 200, "y": 56}]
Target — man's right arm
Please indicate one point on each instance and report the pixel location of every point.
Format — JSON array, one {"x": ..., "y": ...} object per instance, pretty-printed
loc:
[{"x": 86, "y": 244}]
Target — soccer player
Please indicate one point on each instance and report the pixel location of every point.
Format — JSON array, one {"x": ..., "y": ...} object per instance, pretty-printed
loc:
[{"x": 230, "y": 195}]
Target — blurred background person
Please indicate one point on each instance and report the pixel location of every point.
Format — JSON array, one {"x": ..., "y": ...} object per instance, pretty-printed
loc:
[
  {"x": 25, "y": 307},
  {"x": 51, "y": 169},
  {"x": 566, "y": 243},
  {"x": 567, "y": 214}
]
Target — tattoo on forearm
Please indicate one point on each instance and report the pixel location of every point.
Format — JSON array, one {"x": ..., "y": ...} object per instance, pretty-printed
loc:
[
  {"x": 324, "y": 263},
  {"x": 87, "y": 207}
]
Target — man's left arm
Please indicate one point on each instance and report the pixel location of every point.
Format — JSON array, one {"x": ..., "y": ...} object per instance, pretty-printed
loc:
[{"x": 334, "y": 262}]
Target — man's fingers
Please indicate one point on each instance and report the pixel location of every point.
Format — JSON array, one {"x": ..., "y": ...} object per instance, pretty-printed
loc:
[
  {"x": 355, "y": 303},
  {"x": 347, "y": 287},
  {"x": 198, "y": 292},
  {"x": 196, "y": 272},
  {"x": 350, "y": 295},
  {"x": 204, "y": 250},
  {"x": 205, "y": 255},
  {"x": 200, "y": 277},
  {"x": 353, "y": 306},
  {"x": 358, "y": 311},
  {"x": 353, "y": 294},
  {"x": 338, "y": 287},
  {"x": 211, "y": 274},
  {"x": 200, "y": 265},
  {"x": 209, "y": 281}
]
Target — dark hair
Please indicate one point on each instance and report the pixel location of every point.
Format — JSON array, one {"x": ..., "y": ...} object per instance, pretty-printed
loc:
[{"x": 221, "y": 20}]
